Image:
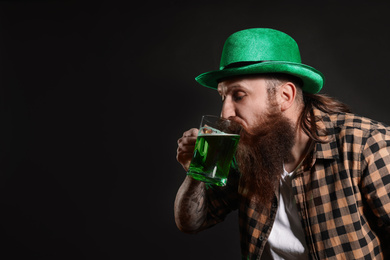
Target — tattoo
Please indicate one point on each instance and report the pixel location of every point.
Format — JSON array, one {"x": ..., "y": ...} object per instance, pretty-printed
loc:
[{"x": 191, "y": 206}]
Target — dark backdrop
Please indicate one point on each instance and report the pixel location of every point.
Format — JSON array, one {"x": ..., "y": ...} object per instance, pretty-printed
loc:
[{"x": 94, "y": 97}]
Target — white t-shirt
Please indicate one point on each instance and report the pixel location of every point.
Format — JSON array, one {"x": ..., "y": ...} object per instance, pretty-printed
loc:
[{"x": 287, "y": 238}]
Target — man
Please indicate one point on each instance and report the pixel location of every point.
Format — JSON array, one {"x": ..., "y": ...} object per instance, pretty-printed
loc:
[{"x": 313, "y": 179}]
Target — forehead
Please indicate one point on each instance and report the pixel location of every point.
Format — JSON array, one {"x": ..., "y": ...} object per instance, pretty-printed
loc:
[{"x": 245, "y": 82}]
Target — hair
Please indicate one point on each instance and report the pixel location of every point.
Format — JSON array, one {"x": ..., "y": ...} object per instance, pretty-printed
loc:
[{"x": 307, "y": 119}]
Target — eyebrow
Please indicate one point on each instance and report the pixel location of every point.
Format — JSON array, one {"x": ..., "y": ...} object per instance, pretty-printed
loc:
[{"x": 231, "y": 88}]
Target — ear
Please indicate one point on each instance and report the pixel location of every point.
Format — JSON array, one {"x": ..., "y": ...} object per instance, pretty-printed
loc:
[{"x": 287, "y": 92}]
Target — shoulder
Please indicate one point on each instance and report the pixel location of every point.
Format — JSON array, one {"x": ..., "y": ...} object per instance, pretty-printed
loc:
[
  {"x": 352, "y": 123},
  {"x": 350, "y": 134},
  {"x": 360, "y": 135}
]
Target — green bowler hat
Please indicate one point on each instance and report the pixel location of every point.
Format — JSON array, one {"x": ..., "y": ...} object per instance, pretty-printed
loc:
[{"x": 262, "y": 50}]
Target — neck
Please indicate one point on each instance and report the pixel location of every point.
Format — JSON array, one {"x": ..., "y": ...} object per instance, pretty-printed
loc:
[
  {"x": 301, "y": 146},
  {"x": 298, "y": 151}
]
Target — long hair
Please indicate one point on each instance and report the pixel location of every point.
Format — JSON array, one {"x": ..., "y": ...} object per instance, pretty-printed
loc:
[{"x": 307, "y": 120}]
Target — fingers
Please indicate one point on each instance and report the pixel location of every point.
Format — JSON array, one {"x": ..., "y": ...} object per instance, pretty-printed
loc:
[
  {"x": 186, "y": 146},
  {"x": 184, "y": 159},
  {"x": 187, "y": 142},
  {"x": 193, "y": 132}
]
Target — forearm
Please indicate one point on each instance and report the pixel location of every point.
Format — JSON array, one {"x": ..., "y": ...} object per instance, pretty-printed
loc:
[{"x": 191, "y": 206}]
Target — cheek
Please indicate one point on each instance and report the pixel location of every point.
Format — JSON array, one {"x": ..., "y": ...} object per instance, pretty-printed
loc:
[
  {"x": 255, "y": 117},
  {"x": 246, "y": 118},
  {"x": 250, "y": 112}
]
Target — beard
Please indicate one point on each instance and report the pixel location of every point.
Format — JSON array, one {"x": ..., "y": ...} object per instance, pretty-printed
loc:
[{"x": 261, "y": 153}]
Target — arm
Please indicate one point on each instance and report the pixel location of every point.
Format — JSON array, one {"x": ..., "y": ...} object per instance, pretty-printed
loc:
[
  {"x": 376, "y": 182},
  {"x": 191, "y": 206},
  {"x": 376, "y": 175},
  {"x": 198, "y": 207}
]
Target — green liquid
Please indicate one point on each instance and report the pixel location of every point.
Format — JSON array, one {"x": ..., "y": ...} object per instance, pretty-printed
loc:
[{"x": 212, "y": 158}]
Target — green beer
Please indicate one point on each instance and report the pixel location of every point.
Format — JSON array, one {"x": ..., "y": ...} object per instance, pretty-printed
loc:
[{"x": 212, "y": 157}]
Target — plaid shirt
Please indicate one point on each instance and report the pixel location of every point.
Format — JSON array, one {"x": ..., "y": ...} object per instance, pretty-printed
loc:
[{"x": 342, "y": 194}]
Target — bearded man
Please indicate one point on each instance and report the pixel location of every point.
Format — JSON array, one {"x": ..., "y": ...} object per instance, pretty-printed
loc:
[{"x": 312, "y": 180}]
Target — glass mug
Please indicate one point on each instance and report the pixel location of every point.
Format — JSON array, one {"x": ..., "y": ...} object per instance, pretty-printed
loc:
[{"x": 215, "y": 147}]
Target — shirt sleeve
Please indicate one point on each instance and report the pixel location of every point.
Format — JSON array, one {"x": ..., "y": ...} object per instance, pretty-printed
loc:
[{"x": 376, "y": 176}]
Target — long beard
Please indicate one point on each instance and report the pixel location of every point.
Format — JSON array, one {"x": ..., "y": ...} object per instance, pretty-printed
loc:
[{"x": 261, "y": 154}]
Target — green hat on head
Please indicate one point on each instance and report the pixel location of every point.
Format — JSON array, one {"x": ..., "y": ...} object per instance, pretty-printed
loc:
[{"x": 262, "y": 50}]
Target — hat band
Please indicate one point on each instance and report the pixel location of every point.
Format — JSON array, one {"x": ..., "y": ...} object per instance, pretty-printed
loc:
[{"x": 242, "y": 64}]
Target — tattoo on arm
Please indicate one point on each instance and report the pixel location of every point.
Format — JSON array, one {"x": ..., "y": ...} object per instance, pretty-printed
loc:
[{"x": 191, "y": 206}]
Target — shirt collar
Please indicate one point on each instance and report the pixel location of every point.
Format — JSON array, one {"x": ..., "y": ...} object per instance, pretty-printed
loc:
[{"x": 325, "y": 129}]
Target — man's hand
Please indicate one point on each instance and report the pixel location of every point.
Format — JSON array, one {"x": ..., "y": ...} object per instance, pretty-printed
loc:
[{"x": 185, "y": 148}]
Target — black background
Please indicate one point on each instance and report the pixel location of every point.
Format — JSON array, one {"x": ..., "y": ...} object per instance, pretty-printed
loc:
[{"x": 94, "y": 97}]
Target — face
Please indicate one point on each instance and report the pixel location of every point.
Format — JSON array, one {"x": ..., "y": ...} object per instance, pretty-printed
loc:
[
  {"x": 244, "y": 100},
  {"x": 266, "y": 138}
]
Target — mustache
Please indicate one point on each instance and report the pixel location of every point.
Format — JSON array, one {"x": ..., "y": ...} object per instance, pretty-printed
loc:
[
  {"x": 254, "y": 133},
  {"x": 235, "y": 120},
  {"x": 232, "y": 125},
  {"x": 268, "y": 120}
]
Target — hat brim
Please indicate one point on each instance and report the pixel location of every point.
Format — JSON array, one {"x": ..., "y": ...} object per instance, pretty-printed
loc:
[{"x": 313, "y": 80}]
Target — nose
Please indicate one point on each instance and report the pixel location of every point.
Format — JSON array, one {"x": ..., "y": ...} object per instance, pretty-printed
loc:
[{"x": 228, "y": 109}]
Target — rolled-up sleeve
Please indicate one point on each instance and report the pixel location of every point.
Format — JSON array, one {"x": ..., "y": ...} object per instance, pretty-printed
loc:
[{"x": 376, "y": 175}]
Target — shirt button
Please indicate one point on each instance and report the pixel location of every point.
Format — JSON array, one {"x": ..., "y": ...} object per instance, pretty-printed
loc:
[
  {"x": 274, "y": 205},
  {"x": 261, "y": 238}
]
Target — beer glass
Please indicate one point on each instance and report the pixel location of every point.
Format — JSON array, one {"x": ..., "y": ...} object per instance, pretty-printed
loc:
[{"x": 215, "y": 147}]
